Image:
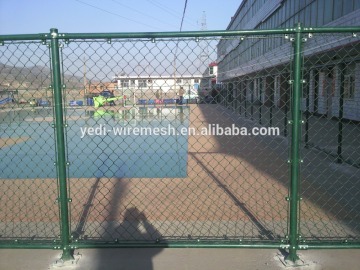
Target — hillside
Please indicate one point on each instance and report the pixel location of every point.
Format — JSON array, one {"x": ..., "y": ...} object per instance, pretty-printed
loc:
[{"x": 32, "y": 78}]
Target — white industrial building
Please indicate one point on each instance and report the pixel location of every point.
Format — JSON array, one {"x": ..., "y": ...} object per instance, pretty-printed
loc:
[
  {"x": 154, "y": 83},
  {"x": 258, "y": 69}
]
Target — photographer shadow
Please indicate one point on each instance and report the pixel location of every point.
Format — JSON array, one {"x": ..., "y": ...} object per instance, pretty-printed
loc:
[{"x": 135, "y": 229}]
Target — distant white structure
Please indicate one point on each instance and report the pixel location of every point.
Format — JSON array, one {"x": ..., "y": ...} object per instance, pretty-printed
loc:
[{"x": 139, "y": 84}]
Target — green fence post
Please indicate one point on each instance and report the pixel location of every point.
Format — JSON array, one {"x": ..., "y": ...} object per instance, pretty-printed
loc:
[
  {"x": 261, "y": 101},
  {"x": 286, "y": 109},
  {"x": 252, "y": 89},
  {"x": 341, "y": 115},
  {"x": 307, "y": 113},
  {"x": 270, "y": 84},
  {"x": 246, "y": 91},
  {"x": 240, "y": 96},
  {"x": 60, "y": 141},
  {"x": 295, "y": 145}
]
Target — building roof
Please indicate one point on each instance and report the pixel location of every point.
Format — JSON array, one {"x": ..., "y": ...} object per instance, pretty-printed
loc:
[{"x": 158, "y": 77}]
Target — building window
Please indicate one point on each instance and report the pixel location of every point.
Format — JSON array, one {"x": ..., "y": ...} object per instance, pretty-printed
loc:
[
  {"x": 142, "y": 84},
  {"x": 338, "y": 7},
  {"x": 349, "y": 81},
  {"x": 306, "y": 85},
  {"x": 348, "y": 7},
  {"x": 124, "y": 83},
  {"x": 256, "y": 89},
  {"x": 211, "y": 70},
  {"x": 196, "y": 80},
  {"x": 328, "y": 11},
  {"x": 179, "y": 81},
  {"x": 132, "y": 83},
  {"x": 320, "y": 13},
  {"x": 328, "y": 83}
]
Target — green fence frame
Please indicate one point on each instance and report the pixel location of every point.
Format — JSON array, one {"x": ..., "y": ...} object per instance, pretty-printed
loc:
[{"x": 293, "y": 244}]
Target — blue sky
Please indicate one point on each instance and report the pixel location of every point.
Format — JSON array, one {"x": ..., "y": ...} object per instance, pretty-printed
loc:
[{"x": 38, "y": 16}]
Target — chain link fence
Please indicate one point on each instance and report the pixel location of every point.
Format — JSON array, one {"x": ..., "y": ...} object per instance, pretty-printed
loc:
[
  {"x": 183, "y": 139},
  {"x": 330, "y": 141},
  {"x": 29, "y": 187},
  {"x": 174, "y": 186},
  {"x": 329, "y": 179}
]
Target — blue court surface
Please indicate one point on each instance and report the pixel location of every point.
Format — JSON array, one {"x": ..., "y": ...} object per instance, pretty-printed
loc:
[{"x": 153, "y": 145}]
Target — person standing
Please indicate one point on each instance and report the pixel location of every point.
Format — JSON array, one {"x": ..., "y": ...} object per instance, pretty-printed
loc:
[
  {"x": 181, "y": 95},
  {"x": 112, "y": 103}
]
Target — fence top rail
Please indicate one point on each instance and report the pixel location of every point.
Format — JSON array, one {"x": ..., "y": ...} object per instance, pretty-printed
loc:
[
  {"x": 332, "y": 30},
  {"x": 152, "y": 35}
]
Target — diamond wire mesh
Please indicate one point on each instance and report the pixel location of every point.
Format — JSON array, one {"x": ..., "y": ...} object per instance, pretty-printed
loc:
[
  {"x": 28, "y": 176},
  {"x": 173, "y": 187},
  {"x": 256, "y": 87},
  {"x": 330, "y": 106}
]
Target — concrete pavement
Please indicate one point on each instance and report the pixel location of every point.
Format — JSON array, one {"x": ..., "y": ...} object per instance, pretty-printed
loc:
[{"x": 178, "y": 259}]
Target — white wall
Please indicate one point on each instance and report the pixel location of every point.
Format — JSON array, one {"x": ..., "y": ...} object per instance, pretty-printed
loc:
[{"x": 351, "y": 106}]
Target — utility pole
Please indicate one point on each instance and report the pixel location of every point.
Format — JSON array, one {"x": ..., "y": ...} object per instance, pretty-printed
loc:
[
  {"x": 204, "y": 51},
  {"x": 85, "y": 82}
]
